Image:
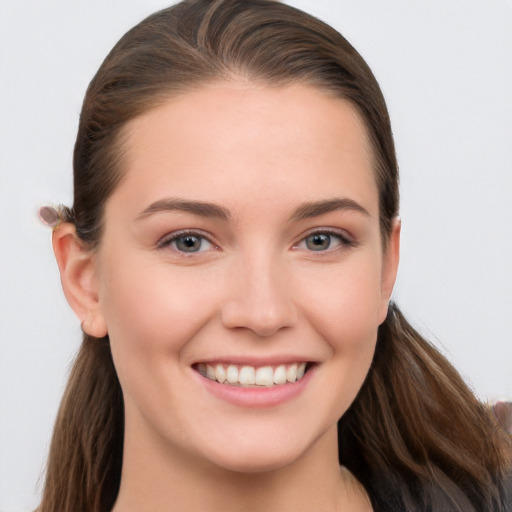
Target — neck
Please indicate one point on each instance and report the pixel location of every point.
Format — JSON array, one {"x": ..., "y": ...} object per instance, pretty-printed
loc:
[{"x": 167, "y": 480}]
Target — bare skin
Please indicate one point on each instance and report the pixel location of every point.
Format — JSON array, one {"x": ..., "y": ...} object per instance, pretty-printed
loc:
[
  {"x": 210, "y": 489},
  {"x": 245, "y": 231}
]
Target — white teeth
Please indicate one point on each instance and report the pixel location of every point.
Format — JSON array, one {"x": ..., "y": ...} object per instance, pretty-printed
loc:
[
  {"x": 291, "y": 373},
  {"x": 220, "y": 373},
  {"x": 246, "y": 376},
  {"x": 232, "y": 374},
  {"x": 265, "y": 376},
  {"x": 280, "y": 374},
  {"x": 249, "y": 375}
]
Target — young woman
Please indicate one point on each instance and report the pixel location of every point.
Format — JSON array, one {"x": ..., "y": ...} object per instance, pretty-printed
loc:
[{"x": 230, "y": 253}]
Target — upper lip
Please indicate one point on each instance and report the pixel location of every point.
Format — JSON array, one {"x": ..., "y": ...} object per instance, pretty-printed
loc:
[{"x": 256, "y": 361}]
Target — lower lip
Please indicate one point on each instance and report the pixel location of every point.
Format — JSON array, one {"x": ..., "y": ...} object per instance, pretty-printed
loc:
[{"x": 257, "y": 397}]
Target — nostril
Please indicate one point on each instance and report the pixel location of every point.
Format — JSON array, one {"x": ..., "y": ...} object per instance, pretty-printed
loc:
[
  {"x": 265, "y": 321},
  {"x": 260, "y": 299}
]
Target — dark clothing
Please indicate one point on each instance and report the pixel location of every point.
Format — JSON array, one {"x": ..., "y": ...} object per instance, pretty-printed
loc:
[{"x": 389, "y": 498}]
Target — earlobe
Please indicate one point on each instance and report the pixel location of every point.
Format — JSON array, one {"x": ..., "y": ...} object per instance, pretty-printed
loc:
[
  {"x": 78, "y": 275},
  {"x": 390, "y": 265}
]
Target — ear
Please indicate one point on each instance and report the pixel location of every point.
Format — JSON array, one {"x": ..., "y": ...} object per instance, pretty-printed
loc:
[
  {"x": 78, "y": 275},
  {"x": 390, "y": 266}
]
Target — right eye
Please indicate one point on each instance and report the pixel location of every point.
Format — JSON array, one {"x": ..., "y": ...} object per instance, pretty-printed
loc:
[{"x": 188, "y": 243}]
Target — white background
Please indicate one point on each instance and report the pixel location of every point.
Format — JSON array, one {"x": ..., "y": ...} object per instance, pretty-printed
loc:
[{"x": 445, "y": 67}]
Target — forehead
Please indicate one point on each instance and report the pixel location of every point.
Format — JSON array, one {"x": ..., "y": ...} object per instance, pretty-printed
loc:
[{"x": 227, "y": 138}]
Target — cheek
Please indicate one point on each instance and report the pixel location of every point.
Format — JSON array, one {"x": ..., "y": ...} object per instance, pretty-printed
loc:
[
  {"x": 151, "y": 312},
  {"x": 346, "y": 315},
  {"x": 345, "y": 305}
]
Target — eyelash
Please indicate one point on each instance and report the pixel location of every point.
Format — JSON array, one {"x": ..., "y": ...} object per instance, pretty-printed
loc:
[
  {"x": 168, "y": 240},
  {"x": 344, "y": 240}
]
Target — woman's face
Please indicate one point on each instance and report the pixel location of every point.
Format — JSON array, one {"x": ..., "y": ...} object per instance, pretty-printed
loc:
[{"x": 241, "y": 245}]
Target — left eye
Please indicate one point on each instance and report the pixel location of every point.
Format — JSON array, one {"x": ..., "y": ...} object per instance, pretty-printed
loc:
[
  {"x": 187, "y": 243},
  {"x": 322, "y": 241}
]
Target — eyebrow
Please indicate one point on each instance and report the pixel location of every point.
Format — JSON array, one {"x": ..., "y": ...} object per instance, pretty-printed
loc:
[
  {"x": 317, "y": 208},
  {"x": 204, "y": 209}
]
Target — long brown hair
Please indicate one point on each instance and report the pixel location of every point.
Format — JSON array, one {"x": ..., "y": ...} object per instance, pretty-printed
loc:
[{"x": 415, "y": 435}]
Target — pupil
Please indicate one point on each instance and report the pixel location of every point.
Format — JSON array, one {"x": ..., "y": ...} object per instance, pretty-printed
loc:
[
  {"x": 188, "y": 243},
  {"x": 318, "y": 242}
]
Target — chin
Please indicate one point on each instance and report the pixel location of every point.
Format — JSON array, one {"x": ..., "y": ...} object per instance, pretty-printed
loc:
[
  {"x": 257, "y": 463},
  {"x": 260, "y": 456}
]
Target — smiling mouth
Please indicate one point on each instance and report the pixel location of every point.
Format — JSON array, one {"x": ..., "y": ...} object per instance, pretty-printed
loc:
[{"x": 246, "y": 375}]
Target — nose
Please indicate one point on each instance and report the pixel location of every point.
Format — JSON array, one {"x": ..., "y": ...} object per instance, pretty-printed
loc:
[{"x": 260, "y": 298}]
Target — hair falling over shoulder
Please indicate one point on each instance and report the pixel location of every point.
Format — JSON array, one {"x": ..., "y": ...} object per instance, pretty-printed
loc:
[
  {"x": 84, "y": 464},
  {"x": 415, "y": 437}
]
